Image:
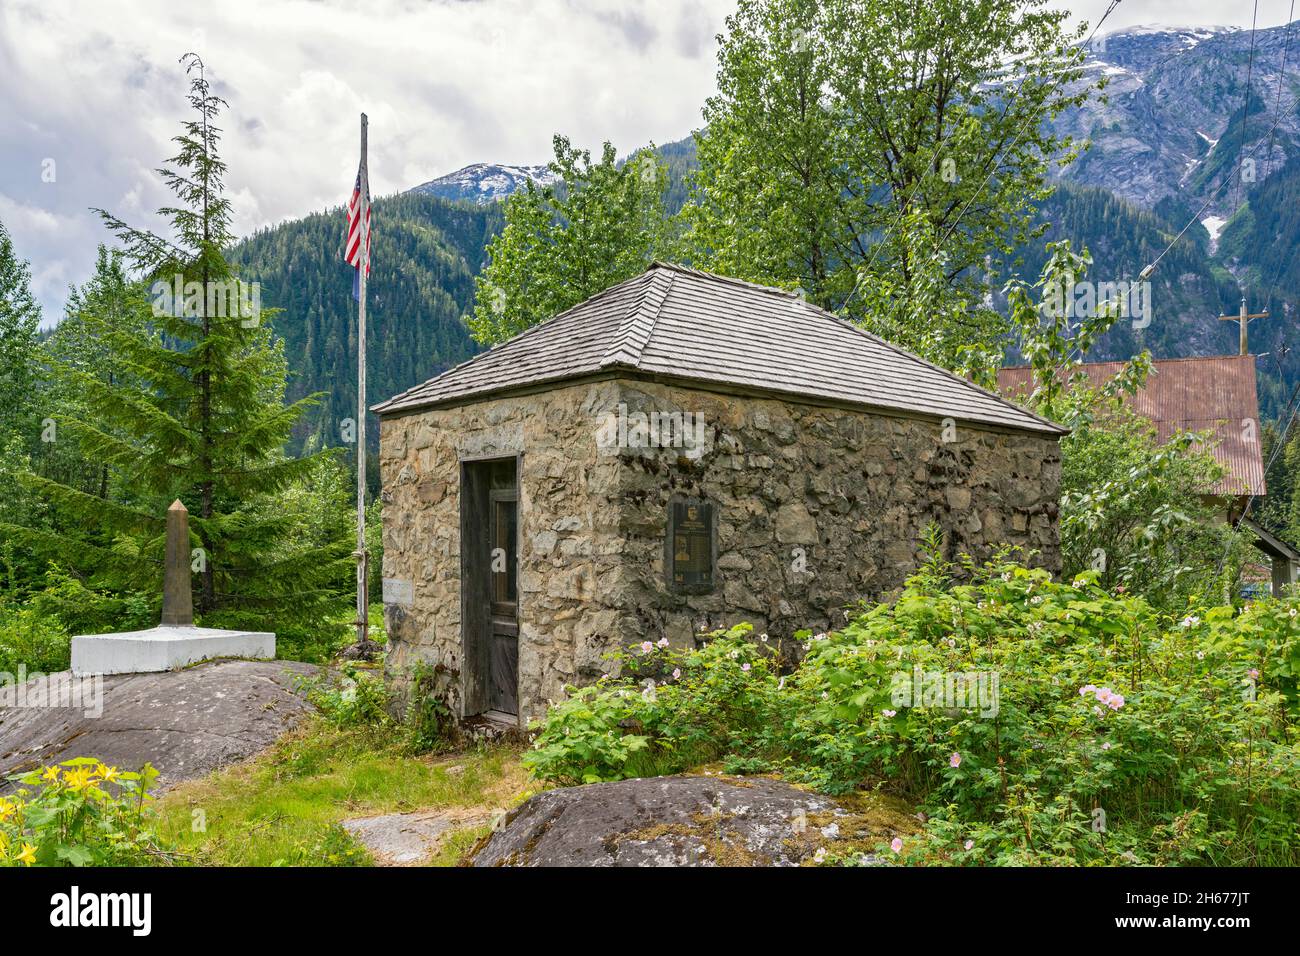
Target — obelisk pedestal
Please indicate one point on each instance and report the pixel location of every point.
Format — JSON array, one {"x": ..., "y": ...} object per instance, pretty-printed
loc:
[{"x": 176, "y": 642}]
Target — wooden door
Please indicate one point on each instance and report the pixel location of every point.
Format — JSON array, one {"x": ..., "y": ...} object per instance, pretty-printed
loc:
[
  {"x": 503, "y": 605},
  {"x": 489, "y": 554}
]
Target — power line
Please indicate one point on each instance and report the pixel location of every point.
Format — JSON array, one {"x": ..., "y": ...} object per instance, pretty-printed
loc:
[
  {"x": 1146, "y": 273},
  {"x": 1245, "y": 110},
  {"x": 1277, "y": 116},
  {"x": 1241, "y": 157},
  {"x": 1281, "y": 81}
]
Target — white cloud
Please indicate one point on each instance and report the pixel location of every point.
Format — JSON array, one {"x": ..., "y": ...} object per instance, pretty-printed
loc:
[{"x": 444, "y": 84}]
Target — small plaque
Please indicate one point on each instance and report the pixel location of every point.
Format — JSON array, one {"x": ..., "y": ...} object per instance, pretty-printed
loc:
[
  {"x": 690, "y": 545},
  {"x": 399, "y": 591}
]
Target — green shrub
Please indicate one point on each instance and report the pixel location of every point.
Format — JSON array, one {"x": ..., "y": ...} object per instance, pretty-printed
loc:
[
  {"x": 1120, "y": 733},
  {"x": 357, "y": 697},
  {"x": 429, "y": 723},
  {"x": 667, "y": 710},
  {"x": 1114, "y": 732},
  {"x": 28, "y": 640},
  {"x": 83, "y": 610},
  {"x": 1137, "y": 509},
  {"x": 81, "y": 814},
  {"x": 583, "y": 740}
]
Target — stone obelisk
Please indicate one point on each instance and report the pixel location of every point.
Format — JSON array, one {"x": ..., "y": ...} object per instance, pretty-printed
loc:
[
  {"x": 178, "y": 602},
  {"x": 175, "y": 642}
]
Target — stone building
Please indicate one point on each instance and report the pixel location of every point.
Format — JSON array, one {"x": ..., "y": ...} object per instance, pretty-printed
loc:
[{"x": 680, "y": 452}]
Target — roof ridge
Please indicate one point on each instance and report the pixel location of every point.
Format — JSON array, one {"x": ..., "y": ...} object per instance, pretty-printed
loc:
[
  {"x": 638, "y": 325},
  {"x": 730, "y": 280}
]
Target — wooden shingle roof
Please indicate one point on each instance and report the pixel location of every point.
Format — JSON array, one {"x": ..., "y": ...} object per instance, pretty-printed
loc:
[
  {"x": 671, "y": 322},
  {"x": 1213, "y": 394}
]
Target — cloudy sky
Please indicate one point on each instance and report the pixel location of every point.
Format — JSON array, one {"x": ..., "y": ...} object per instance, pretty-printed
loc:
[{"x": 90, "y": 93}]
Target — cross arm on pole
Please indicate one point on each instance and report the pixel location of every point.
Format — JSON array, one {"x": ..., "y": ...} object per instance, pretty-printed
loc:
[{"x": 1243, "y": 317}]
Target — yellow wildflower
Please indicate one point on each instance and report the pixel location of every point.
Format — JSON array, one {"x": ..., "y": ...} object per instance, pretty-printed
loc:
[
  {"x": 7, "y": 809},
  {"x": 78, "y": 779},
  {"x": 52, "y": 774},
  {"x": 108, "y": 774},
  {"x": 27, "y": 854}
]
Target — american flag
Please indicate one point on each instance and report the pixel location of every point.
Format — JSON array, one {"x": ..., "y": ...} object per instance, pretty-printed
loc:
[{"x": 352, "y": 251}]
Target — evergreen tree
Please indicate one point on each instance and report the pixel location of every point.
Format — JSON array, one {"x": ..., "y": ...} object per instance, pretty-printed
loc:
[
  {"x": 40, "y": 446},
  {"x": 423, "y": 262},
  {"x": 19, "y": 321},
  {"x": 112, "y": 297},
  {"x": 19, "y": 423},
  {"x": 194, "y": 410},
  {"x": 602, "y": 223}
]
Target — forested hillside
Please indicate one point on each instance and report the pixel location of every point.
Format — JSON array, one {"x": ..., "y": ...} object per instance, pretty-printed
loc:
[
  {"x": 425, "y": 252},
  {"x": 1188, "y": 291}
]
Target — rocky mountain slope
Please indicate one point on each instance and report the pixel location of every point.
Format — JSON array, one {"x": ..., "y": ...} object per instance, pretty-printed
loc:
[
  {"x": 424, "y": 258},
  {"x": 1175, "y": 114}
]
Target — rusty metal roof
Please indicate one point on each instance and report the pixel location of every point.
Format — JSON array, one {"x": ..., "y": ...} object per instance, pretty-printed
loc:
[
  {"x": 1215, "y": 393},
  {"x": 681, "y": 323}
]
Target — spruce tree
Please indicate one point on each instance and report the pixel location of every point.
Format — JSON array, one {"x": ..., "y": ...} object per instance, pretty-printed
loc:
[
  {"x": 19, "y": 323},
  {"x": 112, "y": 297},
  {"x": 194, "y": 410}
]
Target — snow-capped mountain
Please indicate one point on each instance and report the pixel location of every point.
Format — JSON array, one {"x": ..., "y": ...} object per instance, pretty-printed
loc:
[
  {"x": 1173, "y": 93},
  {"x": 485, "y": 182}
]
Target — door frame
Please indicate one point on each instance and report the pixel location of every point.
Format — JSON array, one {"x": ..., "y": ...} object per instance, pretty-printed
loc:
[{"x": 475, "y": 582}]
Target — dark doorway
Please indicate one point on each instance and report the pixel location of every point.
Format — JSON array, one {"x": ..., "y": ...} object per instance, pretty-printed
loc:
[{"x": 490, "y": 586}]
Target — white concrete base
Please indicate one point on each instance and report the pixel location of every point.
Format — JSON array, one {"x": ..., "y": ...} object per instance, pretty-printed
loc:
[{"x": 164, "y": 649}]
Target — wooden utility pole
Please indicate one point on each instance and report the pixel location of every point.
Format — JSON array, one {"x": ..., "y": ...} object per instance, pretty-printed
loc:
[{"x": 1244, "y": 318}]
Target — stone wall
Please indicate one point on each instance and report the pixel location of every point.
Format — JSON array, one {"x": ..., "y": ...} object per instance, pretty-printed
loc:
[
  {"x": 820, "y": 507},
  {"x": 816, "y": 508},
  {"x": 566, "y": 518}
]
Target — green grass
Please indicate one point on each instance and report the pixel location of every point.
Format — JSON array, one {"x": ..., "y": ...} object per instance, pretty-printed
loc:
[{"x": 283, "y": 808}]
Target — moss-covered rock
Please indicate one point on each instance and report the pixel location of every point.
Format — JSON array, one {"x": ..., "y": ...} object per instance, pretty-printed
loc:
[{"x": 698, "y": 820}]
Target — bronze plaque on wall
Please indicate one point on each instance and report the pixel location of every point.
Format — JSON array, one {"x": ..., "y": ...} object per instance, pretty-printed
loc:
[{"x": 690, "y": 545}]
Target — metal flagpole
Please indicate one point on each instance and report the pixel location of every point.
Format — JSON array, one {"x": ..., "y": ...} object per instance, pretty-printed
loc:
[{"x": 363, "y": 593}]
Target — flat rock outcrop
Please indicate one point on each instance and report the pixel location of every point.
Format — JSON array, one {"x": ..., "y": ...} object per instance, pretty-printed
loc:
[
  {"x": 186, "y": 722},
  {"x": 406, "y": 839}
]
